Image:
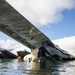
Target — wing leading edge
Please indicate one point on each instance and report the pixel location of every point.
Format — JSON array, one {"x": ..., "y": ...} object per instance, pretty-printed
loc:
[{"x": 19, "y": 28}]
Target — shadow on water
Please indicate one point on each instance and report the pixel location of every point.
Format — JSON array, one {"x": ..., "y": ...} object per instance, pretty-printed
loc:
[{"x": 13, "y": 67}]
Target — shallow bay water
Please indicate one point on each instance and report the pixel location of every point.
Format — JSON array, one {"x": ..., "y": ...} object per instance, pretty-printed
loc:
[{"x": 13, "y": 67}]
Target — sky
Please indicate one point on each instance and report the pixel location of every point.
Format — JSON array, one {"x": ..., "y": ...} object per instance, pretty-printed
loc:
[{"x": 55, "y": 18}]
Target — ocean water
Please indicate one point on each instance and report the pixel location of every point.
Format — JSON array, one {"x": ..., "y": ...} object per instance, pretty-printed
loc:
[{"x": 14, "y": 67}]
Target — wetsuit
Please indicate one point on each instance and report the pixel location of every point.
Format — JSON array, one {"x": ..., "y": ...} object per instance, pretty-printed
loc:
[{"x": 42, "y": 55}]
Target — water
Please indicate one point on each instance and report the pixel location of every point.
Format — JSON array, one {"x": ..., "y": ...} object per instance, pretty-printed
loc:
[{"x": 13, "y": 67}]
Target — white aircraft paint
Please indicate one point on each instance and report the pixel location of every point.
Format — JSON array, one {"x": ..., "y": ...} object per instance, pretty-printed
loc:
[{"x": 67, "y": 44}]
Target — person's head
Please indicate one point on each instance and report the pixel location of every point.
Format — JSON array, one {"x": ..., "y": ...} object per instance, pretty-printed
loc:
[{"x": 44, "y": 44}]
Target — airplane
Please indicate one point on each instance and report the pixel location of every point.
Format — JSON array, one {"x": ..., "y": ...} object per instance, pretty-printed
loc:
[
  {"x": 19, "y": 28},
  {"x": 66, "y": 43}
]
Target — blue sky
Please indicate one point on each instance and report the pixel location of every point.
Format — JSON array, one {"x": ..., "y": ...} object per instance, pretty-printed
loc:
[
  {"x": 55, "y": 18},
  {"x": 64, "y": 28}
]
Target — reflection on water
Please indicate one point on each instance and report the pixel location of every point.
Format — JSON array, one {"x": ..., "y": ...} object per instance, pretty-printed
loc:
[{"x": 13, "y": 67}]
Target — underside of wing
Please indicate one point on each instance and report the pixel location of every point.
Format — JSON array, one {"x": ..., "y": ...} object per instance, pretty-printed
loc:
[{"x": 19, "y": 28}]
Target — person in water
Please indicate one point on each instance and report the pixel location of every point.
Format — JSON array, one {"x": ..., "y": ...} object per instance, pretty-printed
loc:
[{"x": 42, "y": 55}]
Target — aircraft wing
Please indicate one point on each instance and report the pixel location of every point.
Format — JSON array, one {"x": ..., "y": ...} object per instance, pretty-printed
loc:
[{"x": 19, "y": 28}]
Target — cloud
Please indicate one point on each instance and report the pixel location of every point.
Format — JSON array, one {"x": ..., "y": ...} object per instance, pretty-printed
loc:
[
  {"x": 42, "y": 12},
  {"x": 11, "y": 44}
]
